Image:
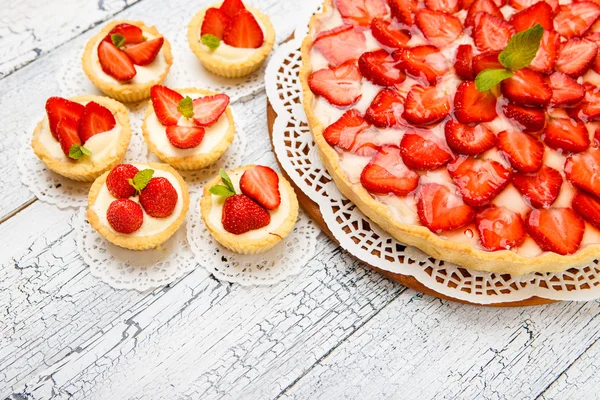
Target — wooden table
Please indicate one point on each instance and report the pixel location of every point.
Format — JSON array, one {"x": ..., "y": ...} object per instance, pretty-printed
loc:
[{"x": 336, "y": 331}]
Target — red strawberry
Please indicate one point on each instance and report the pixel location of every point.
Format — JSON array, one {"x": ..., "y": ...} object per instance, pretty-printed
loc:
[
  {"x": 583, "y": 170},
  {"x": 467, "y": 139},
  {"x": 115, "y": 62},
  {"x": 241, "y": 214},
  {"x": 528, "y": 119},
  {"x": 131, "y": 33},
  {"x": 575, "y": 19},
  {"x": 576, "y": 56},
  {"x": 473, "y": 106},
  {"x": 145, "y": 52},
  {"x": 487, "y": 60},
  {"x": 232, "y": 7},
  {"x": 463, "y": 66},
  {"x": 595, "y": 37},
  {"x": 422, "y": 62},
  {"x": 352, "y": 133},
  {"x": 340, "y": 85},
  {"x": 58, "y": 108},
  {"x": 422, "y": 150},
  {"x": 478, "y": 180},
  {"x": 261, "y": 184},
  {"x": 589, "y": 108},
  {"x": 208, "y": 109},
  {"x": 523, "y": 4},
  {"x": 565, "y": 90},
  {"x": 215, "y": 23},
  {"x": 438, "y": 27},
  {"x": 386, "y": 109},
  {"x": 559, "y": 230},
  {"x": 403, "y": 10},
  {"x": 539, "y": 13},
  {"x": 341, "y": 44},
  {"x": 361, "y": 12},
  {"x": 566, "y": 134},
  {"x": 67, "y": 134},
  {"x": 500, "y": 228},
  {"x": 523, "y": 151},
  {"x": 159, "y": 198},
  {"x": 449, "y": 6},
  {"x": 95, "y": 119},
  {"x": 165, "y": 102},
  {"x": 380, "y": 68},
  {"x": 440, "y": 209},
  {"x": 125, "y": 216},
  {"x": 243, "y": 31},
  {"x": 547, "y": 54},
  {"x": 492, "y": 33},
  {"x": 117, "y": 181},
  {"x": 425, "y": 105},
  {"x": 597, "y": 138},
  {"x": 389, "y": 34},
  {"x": 526, "y": 88},
  {"x": 588, "y": 207},
  {"x": 387, "y": 174},
  {"x": 482, "y": 6},
  {"x": 540, "y": 188},
  {"x": 185, "y": 137}
]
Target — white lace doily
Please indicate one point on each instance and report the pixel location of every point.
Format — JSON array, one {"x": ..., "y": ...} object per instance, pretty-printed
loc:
[
  {"x": 285, "y": 259},
  {"x": 296, "y": 152}
]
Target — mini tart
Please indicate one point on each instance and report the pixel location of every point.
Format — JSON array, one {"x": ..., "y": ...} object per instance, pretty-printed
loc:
[
  {"x": 197, "y": 157},
  {"x": 133, "y": 91},
  {"x": 234, "y": 68},
  {"x": 258, "y": 240},
  {"x": 136, "y": 240},
  {"x": 85, "y": 169}
]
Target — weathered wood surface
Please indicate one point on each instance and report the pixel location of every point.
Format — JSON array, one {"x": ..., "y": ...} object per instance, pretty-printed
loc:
[{"x": 335, "y": 331}]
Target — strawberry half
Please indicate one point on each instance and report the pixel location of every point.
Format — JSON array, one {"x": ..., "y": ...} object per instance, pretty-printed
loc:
[
  {"x": 261, "y": 184},
  {"x": 244, "y": 32},
  {"x": 523, "y": 151},
  {"x": 449, "y": 6},
  {"x": 575, "y": 19},
  {"x": 95, "y": 119},
  {"x": 440, "y": 209},
  {"x": 379, "y": 67},
  {"x": 208, "y": 109},
  {"x": 115, "y": 62},
  {"x": 565, "y": 90},
  {"x": 185, "y": 137},
  {"x": 241, "y": 214},
  {"x": 467, "y": 139},
  {"x": 341, "y": 44},
  {"x": 566, "y": 134},
  {"x": 232, "y": 7},
  {"x": 540, "y": 188},
  {"x": 422, "y": 150},
  {"x": 132, "y": 34},
  {"x": 588, "y": 207},
  {"x": 125, "y": 216},
  {"x": 547, "y": 53},
  {"x": 478, "y": 180},
  {"x": 439, "y": 28},
  {"x": 463, "y": 66},
  {"x": 500, "y": 228},
  {"x": 215, "y": 23},
  {"x": 583, "y": 170},
  {"x": 386, "y": 109},
  {"x": 352, "y": 133},
  {"x": 159, "y": 198},
  {"x": 340, "y": 85},
  {"x": 482, "y": 6},
  {"x": 58, "y": 108},
  {"x": 523, "y": 4},
  {"x": 528, "y": 119},
  {"x": 422, "y": 62},
  {"x": 559, "y": 230},
  {"x": 145, "y": 52},
  {"x": 387, "y": 174},
  {"x": 165, "y": 102},
  {"x": 389, "y": 34},
  {"x": 473, "y": 106},
  {"x": 67, "y": 132},
  {"x": 539, "y": 13},
  {"x": 576, "y": 56},
  {"x": 527, "y": 88},
  {"x": 589, "y": 108},
  {"x": 403, "y": 10},
  {"x": 492, "y": 33},
  {"x": 361, "y": 12},
  {"x": 486, "y": 60},
  {"x": 425, "y": 105}
]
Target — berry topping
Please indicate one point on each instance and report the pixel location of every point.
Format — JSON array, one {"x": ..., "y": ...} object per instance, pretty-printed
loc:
[
  {"x": 547, "y": 54},
  {"x": 340, "y": 85},
  {"x": 589, "y": 108},
  {"x": 527, "y": 119},
  {"x": 341, "y": 44},
  {"x": 492, "y": 33},
  {"x": 540, "y": 188},
  {"x": 67, "y": 131},
  {"x": 449, "y": 6},
  {"x": 440, "y": 209},
  {"x": 131, "y": 34},
  {"x": 389, "y": 33},
  {"x": 583, "y": 170},
  {"x": 566, "y": 134},
  {"x": 539, "y": 13},
  {"x": 500, "y": 228},
  {"x": 438, "y": 27},
  {"x": 588, "y": 207},
  {"x": 482, "y": 6},
  {"x": 576, "y": 56},
  {"x": 558, "y": 230},
  {"x": 523, "y": 4},
  {"x": 145, "y": 52},
  {"x": 478, "y": 180},
  {"x": 117, "y": 181},
  {"x": 467, "y": 139},
  {"x": 426, "y": 105},
  {"x": 423, "y": 150},
  {"x": 115, "y": 62},
  {"x": 386, "y": 109},
  {"x": 424, "y": 63},
  {"x": 486, "y": 60},
  {"x": 165, "y": 102},
  {"x": 526, "y": 88},
  {"x": 523, "y": 151},
  {"x": 58, "y": 108},
  {"x": 215, "y": 23},
  {"x": 261, "y": 184},
  {"x": 473, "y": 106},
  {"x": 565, "y": 90},
  {"x": 463, "y": 66},
  {"x": 208, "y": 109},
  {"x": 380, "y": 68},
  {"x": 125, "y": 216},
  {"x": 159, "y": 198},
  {"x": 575, "y": 19},
  {"x": 243, "y": 31},
  {"x": 185, "y": 137},
  {"x": 95, "y": 119},
  {"x": 241, "y": 214},
  {"x": 403, "y": 10},
  {"x": 352, "y": 133},
  {"x": 232, "y": 7},
  {"x": 387, "y": 174},
  {"x": 361, "y": 12}
]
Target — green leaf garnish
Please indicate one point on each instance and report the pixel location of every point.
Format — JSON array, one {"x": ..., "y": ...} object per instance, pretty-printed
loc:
[
  {"x": 77, "y": 151},
  {"x": 522, "y": 48},
  {"x": 210, "y": 41},
  {"x": 186, "y": 107},
  {"x": 117, "y": 39},
  {"x": 224, "y": 190},
  {"x": 488, "y": 78},
  {"x": 226, "y": 180},
  {"x": 141, "y": 179}
]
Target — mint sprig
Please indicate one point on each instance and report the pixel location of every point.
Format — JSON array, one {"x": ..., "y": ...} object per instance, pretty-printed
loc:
[
  {"x": 518, "y": 54},
  {"x": 225, "y": 190},
  {"x": 186, "y": 107},
  {"x": 210, "y": 41},
  {"x": 117, "y": 39},
  {"x": 141, "y": 179},
  {"x": 77, "y": 151}
]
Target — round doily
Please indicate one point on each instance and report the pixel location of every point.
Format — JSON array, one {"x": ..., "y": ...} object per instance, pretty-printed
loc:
[
  {"x": 297, "y": 153},
  {"x": 285, "y": 259}
]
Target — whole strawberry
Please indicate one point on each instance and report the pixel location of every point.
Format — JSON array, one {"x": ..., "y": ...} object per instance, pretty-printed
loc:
[
  {"x": 125, "y": 216},
  {"x": 117, "y": 181},
  {"x": 241, "y": 214},
  {"x": 159, "y": 198}
]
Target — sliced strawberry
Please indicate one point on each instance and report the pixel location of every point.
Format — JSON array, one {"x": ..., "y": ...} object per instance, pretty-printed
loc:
[
  {"x": 588, "y": 207},
  {"x": 540, "y": 188},
  {"x": 597, "y": 138},
  {"x": 387, "y": 174},
  {"x": 361, "y": 12},
  {"x": 576, "y": 56},
  {"x": 340, "y": 85},
  {"x": 589, "y": 108},
  {"x": 67, "y": 133},
  {"x": 467, "y": 139},
  {"x": 185, "y": 137},
  {"x": 449, "y": 6},
  {"x": 243, "y": 31},
  {"x": 389, "y": 34},
  {"x": 473, "y": 106},
  {"x": 165, "y": 102},
  {"x": 132, "y": 34},
  {"x": 523, "y": 4},
  {"x": 438, "y": 27},
  {"x": 261, "y": 184},
  {"x": 386, "y": 109},
  {"x": 523, "y": 151},
  {"x": 539, "y": 13},
  {"x": 380, "y": 68},
  {"x": 215, "y": 23},
  {"x": 463, "y": 66},
  {"x": 425, "y": 105},
  {"x": 492, "y": 33},
  {"x": 575, "y": 19},
  {"x": 232, "y": 7},
  {"x": 115, "y": 62},
  {"x": 487, "y": 60},
  {"x": 403, "y": 10},
  {"x": 558, "y": 230},
  {"x": 547, "y": 54},
  {"x": 95, "y": 119},
  {"x": 422, "y": 62},
  {"x": 58, "y": 108},
  {"x": 595, "y": 37},
  {"x": 352, "y": 133},
  {"x": 500, "y": 228},
  {"x": 527, "y": 88},
  {"x": 482, "y": 6},
  {"x": 208, "y": 109},
  {"x": 528, "y": 119},
  {"x": 440, "y": 209},
  {"x": 341, "y": 44},
  {"x": 566, "y": 134},
  {"x": 565, "y": 90},
  {"x": 145, "y": 52},
  {"x": 583, "y": 170},
  {"x": 422, "y": 150},
  {"x": 478, "y": 180}
]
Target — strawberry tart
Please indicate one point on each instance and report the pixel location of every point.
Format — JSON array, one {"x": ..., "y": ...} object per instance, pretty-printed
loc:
[
  {"x": 250, "y": 209},
  {"x": 230, "y": 39},
  {"x": 138, "y": 206},
  {"x": 82, "y": 137},
  {"x": 126, "y": 59},
  {"x": 469, "y": 129},
  {"x": 188, "y": 128}
]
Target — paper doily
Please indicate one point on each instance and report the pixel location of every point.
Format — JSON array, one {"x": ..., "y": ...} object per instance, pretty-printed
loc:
[
  {"x": 285, "y": 259},
  {"x": 297, "y": 153}
]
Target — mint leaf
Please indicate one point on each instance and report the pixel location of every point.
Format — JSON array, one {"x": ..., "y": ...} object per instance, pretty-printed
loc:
[
  {"x": 186, "y": 107},
  {"x": 85, "y": 151},
  {"x": 226, "y": 180},
  {"x": 488, "y": 78},
  {"x": 210, "y": 41},
  {"x": 141, "y": 179},
  {"x": 221, "y": 190},
  {"x": 77, "y": 151},
  {"x": 117, "y": 39},
  {"x": 522, "y": 48}
]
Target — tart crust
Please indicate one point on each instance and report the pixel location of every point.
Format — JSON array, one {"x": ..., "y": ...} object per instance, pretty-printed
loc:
[
  {"x": 197, "y": 161},
  {"x": 137, "y": 242},
  {"x": 231, "y": 69},
  {"x": 87, "y": 172},
  {"x": 125, "y": 92},
  {"x": 504, "y": 261},
  {"x": 242, "y": 245}
]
